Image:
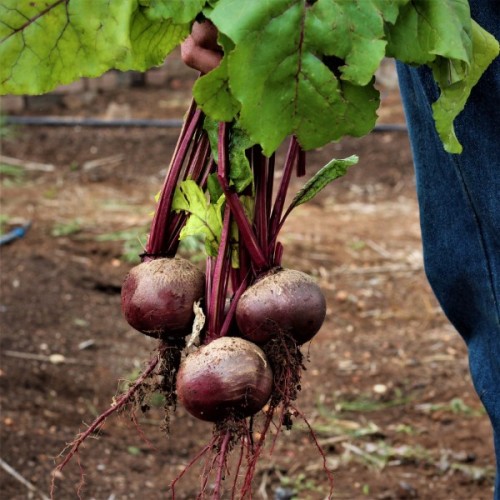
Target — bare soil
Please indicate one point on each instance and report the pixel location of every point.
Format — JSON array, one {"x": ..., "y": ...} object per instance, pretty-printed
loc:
[{"x": 387, "y": 388}]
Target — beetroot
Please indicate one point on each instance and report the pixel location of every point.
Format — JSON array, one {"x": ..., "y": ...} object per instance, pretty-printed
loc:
[
  {"x": 282, "y": 302},
  {"x": 158, "y": 296},
  {"x": 244, "y": 293},
  {"x": 228, "y": 378}
]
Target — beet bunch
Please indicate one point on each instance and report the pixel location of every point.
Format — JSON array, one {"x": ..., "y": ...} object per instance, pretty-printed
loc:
[{"x": 229, "y": 335}]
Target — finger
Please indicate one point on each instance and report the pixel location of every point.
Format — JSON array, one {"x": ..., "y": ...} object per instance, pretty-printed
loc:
[
  {"x": 196, "y": 57},
  {"x": 205, "y": 35}
]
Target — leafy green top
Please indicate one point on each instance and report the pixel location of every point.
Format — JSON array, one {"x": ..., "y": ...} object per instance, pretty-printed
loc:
[{"x": 290, "y": 66}]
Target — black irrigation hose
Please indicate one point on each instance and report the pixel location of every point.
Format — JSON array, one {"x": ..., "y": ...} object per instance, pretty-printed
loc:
[
  {"x": 390, "y": 127},
  {"x": 70, "y": 121},
  {"x": 61, "y": 121}
]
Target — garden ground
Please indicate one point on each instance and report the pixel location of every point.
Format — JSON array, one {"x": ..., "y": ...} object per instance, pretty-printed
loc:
[{"x": 386, "y": 390}]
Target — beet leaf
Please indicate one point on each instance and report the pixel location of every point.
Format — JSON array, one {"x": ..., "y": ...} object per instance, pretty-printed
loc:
[
  {"x": 454, "y": 94},
  {"x": 276, "y": 78},
  {"x": 212, "y": 92},
  {"x": 39, "y": 41},
  {"x": 240, "y": 172},
  {"x": 331, "y": 171},
  {"x": 205, "y": 218}
]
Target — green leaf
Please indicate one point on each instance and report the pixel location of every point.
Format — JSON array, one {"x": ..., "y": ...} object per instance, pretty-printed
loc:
[
  {"x": 277, "y": 76},
  {"x": 240, "y": 172},
  {"x": 211, "y": 127},
  {"x": 205, "y": 218},
  {"x": 248, "y": 203},
  {"x": 356, "y": 116},
  {"x": 290, "y": 66},
  {"x": 180, "y": 12},
  {"x": 149, "y": 42},
  {"x": 353, "y": 32},
  {"x": 331, "y": 171},
  {"x": 443, "y": 36},
  {"x": 214, "y": 188},
  {"x": 134, "y": 450},
  {"x": 213, "y": 96},
  {"x": 454, "y": 96},
  {"x": 45, "y": 44},
  {"x": 426, "y": 29},
  {"x": 211, "y": 91}
]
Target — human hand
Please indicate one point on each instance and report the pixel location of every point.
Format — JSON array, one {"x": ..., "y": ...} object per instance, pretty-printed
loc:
[{"x": 200, "y": 49}]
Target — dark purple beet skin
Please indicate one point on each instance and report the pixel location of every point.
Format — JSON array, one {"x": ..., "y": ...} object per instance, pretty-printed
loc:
[
  {"x": 158, "y": 296},
  {"x": 230, "y": 377},
  {"x": 284, "y": 301}
]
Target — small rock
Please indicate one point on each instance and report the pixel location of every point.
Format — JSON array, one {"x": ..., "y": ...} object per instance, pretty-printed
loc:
[
  {"x": 379, "y": 388},
  {"x": 284, "y": 493},
  {"x": 86, "y": 344},
  {"x": 57, "y": 359}
]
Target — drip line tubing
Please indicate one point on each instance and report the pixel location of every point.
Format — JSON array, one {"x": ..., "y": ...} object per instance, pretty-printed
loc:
[{"x": 62, "y": 121}]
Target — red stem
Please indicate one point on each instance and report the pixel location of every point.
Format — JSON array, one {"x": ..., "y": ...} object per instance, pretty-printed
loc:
[
  {"x": 224, "y": 330},
  {"x": 158, "y": 235},
  {"x": 278, "y": 254},
  {"x": 261, "y": 214},
  {"x": 247, "y": 234},
  {"x": 198, "y": 158},
  {"x": 301, "y": 163},
  {"x": 301, "y": 170},
  {"x": 208, "y": 282},
  {"x": 219, "y": 282},
  {"x": 279, "y": 203},
  {"x": 244, "y": 265},
  {"x": 199, "y": 172},
  {"x": 270, "y": 183}
]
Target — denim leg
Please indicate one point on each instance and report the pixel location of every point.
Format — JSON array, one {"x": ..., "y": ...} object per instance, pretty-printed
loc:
[{"x": 459, "y": 202}]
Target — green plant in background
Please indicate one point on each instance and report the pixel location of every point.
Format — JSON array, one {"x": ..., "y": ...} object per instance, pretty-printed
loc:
[
  {"x": 456, "y": 406},
  {"x": 11, "y": 175},
  {"x": 4, "y": 221},
  {"x": 6, "y": 130},
  {"x": 367, "y": 443},
  {"x": 380, "y": 454},
  {"x": 132, "y": 240},
  {"x": 299, "y": 484},
  {"x": 66, "y": 228},
  {"x": 329, "y": 423},
  {"x": 366, "y": 403},
  {"x": 154, "y": 399}
]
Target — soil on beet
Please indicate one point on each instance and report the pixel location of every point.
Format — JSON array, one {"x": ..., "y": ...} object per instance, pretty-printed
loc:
[{"x": 386, "y": 389}]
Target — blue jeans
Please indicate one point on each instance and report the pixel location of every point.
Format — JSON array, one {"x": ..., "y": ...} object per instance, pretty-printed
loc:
[{"x": 459, "y": 200}]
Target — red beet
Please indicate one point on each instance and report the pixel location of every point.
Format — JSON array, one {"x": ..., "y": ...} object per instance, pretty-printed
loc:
[
  {"x": 230, "y": 377},
  {"x": 158, "y": 296},
  {"x": 282, "y": 302}
]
